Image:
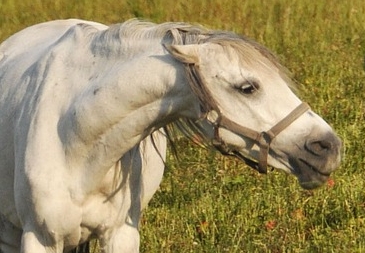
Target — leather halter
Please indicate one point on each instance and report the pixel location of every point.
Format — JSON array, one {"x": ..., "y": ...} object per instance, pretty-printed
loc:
[
  {"x": 218, "y": 120},
  {"x": 263, "y": 139}
]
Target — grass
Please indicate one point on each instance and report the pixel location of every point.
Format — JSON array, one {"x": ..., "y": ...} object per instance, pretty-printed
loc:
[{"x": 208, "y": 203}]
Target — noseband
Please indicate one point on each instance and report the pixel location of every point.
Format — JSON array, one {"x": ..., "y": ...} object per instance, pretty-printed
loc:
[
  {"x": 218, "y": 120},
  {"x": 263, "y": 139}
]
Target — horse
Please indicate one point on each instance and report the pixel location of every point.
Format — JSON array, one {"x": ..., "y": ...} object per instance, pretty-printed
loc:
[{"x": 82, "y": 106}]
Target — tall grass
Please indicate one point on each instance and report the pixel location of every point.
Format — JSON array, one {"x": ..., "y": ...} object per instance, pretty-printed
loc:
[{"x": 208, "y": 203}]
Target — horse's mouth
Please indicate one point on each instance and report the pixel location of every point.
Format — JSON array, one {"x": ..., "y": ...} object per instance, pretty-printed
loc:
[
  {"x": 310, "y": 176},
  {"x": 313, "y": 168}
]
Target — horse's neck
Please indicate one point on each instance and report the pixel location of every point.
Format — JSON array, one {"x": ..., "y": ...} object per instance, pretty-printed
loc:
[{"x": 121, "y": 108}]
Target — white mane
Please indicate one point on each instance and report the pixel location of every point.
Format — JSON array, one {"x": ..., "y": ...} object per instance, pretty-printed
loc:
[{"x": 135, "y": 36}]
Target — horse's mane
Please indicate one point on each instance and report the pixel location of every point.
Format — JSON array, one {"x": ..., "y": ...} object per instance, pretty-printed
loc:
[
  {"x": 134, "y": 36},
  {"x": 137, "y": 34}
]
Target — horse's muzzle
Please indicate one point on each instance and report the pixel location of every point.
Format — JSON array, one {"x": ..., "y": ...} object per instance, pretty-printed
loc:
[{"x": 317, "y": 160}]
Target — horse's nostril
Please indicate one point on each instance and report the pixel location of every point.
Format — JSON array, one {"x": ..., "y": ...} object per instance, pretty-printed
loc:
[
  {"x": 323, "y": 145},
  {"x": 319, "y": 147}
]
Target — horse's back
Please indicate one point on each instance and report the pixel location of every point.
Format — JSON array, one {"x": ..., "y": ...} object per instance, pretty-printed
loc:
[{"x": 33, "y": 39}]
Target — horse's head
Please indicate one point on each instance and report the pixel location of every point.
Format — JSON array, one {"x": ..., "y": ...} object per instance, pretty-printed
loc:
[{"x": 252, "y": 113}]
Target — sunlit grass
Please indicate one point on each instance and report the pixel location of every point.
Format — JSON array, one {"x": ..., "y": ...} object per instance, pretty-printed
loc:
[{"x": 208, "y": 203}]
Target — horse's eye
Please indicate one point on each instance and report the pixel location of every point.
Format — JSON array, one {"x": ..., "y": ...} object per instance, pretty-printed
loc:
[{"x": 247, "y": 88}]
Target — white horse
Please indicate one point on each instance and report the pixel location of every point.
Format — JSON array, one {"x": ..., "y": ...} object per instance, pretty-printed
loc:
[{"x": 76, "y": 96}]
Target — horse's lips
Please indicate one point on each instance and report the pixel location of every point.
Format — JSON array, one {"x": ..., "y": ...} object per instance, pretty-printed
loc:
[
  {"x": 313, "y": 168},
  {"x": 320, "y": 176},
  {"x": 309, "y": 176}
]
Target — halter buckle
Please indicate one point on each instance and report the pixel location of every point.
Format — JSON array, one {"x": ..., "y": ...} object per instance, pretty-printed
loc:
[{"x": 213, "y": 117}]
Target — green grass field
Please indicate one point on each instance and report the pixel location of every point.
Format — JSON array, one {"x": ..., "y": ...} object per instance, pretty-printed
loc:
[{"x": 208, "y": 203}]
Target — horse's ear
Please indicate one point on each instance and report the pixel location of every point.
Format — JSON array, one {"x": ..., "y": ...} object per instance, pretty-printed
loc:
[{"x": 184, "y": 53}]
